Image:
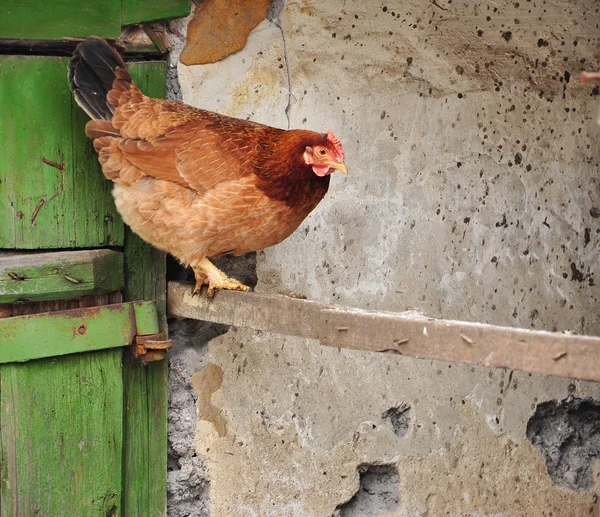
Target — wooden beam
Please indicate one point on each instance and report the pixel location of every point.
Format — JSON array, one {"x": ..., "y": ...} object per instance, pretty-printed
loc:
[
  {"x": 145, "y": 386},
  {"x": 26, "y": 277},
  {"x": 23, "y": 338},
  {"x": 407, "y": 334}
]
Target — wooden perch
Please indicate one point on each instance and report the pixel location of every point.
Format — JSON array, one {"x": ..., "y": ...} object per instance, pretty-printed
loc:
[{"x": 407, "y": 334}]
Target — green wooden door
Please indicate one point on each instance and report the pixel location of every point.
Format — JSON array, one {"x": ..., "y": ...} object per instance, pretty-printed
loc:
[
  {"x": 62, "y": 431},
  {"x": 82, "y": 420}
]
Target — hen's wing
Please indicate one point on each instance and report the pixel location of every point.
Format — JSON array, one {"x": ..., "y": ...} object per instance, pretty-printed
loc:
[{"x": 193, "y": 148}]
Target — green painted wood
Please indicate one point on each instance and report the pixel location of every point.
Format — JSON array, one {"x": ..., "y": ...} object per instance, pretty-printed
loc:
[
  {"x": 146, "y": 318},
  {"x": 50, "y": 334},
  {"x": 61, "y": 436},
  {"x": 58, "y": 19},
  {"x": 59, "y": 275},
  {"x": 145, "y": 445},
  {"x": 52, "y": 192},
  {"x": 52, "y": 195},
  {"x": 29, "y": 19},
  {"x": 135, "y": 11},
  {"x": 97, "y": 222}
]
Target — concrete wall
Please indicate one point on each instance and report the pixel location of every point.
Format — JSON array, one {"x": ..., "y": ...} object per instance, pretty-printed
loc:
[{"x": 473, "y": 194}]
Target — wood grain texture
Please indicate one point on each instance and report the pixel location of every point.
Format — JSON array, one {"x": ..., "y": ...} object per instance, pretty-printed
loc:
[
  {"x": 19, "y": 309},
  {"x": 52, "y": 193},
  {"x": 59, "y": 275},
  {"x": 135, "y": 11},
  {"x": 29, "y": 19},
  {"x": 145, "y": 420},
  {"x": 61, "y": 436},
  {"x": 405, "y": 334},
  {"x": 23, "y": 338},
  {"x": 74, "y": 439}
]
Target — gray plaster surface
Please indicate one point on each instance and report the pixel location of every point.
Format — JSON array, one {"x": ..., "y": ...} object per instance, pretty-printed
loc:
[{"x": 473, "y": 194}]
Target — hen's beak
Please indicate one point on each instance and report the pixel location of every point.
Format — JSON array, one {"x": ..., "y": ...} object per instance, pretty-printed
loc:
[
  {"x": 586, "y": 77},
  {"x": 340, "y": 167}
]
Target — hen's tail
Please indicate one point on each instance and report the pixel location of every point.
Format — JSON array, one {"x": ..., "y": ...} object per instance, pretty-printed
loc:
[{"x": 96, "y": 69}]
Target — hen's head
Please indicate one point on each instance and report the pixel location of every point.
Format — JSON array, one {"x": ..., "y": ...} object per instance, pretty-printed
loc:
[{"x": 325, "y": 155}]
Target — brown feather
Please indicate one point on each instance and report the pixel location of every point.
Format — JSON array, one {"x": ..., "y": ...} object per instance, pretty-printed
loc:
[{"x": 98, "y": 128}]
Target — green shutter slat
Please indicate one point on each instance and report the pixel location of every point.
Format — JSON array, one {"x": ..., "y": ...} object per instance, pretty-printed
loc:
[
  {"x": 61, "y": 436},
  {"x": 60, "y": 275},
  {"x": 145, "y": 461},
  {"x": 135, "y": 11},
  {"x": 23, "y": 338},
  {"x": 52, "y": 193},
  {"x": 58, "y": 19},
  {"x": 27, "y": 19},
  {"x": 146, "y": 318}
]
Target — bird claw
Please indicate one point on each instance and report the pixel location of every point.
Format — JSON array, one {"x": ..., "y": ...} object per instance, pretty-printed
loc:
[
  {"x": 229, "y": 284},
  {"x": 225, "y": 283},
  {"x": 201, "y": 280},
  {"x": 207, "y": 274}
]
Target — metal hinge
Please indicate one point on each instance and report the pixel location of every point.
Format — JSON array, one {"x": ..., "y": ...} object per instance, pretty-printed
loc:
[
  {"x": 152, "y": 347},
  {"x": 35, "y": 336},
  {"x": 150, "y": 343}
]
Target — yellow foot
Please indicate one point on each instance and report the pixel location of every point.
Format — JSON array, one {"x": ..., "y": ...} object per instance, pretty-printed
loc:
[
  {"x": 207, "y": 273},
  {"x": 226, "y": 283}
]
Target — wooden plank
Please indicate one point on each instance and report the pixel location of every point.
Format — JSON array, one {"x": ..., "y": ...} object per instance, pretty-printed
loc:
[
  {"x": 59, "y": 275},
  {"x": 52, "y": 193},
  {"x": 145, "y": 423},
  {"x": 136, "y": 11},
  {"x": 27, "y": 19},
  {"x": 36, "y": 122},
  {"x": 20, "y": 309},
  {"x": 96, "y": 220},
  {"x": 30, "y": 19},
  {"x": 407, "y": 334},
  {"x": 145, "y": 266},
  {"x": 23, "y": 338},
  {"x": 61, "y": 436}
]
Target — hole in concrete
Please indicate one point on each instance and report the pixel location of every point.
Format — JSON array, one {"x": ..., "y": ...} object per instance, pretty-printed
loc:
[
  {"x": 399, "y": 418},
  {"x": 377, "y": 495},
  {"x": 567, "y": 434}
]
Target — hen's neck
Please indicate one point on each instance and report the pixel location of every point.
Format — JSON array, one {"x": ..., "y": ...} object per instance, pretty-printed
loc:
[{"x": 284, "y": 176}]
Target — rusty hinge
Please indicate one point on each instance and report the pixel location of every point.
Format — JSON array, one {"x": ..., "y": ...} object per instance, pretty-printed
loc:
[
  {"x": 152, "y": 347},
  {"x": 150, "y": 344}
]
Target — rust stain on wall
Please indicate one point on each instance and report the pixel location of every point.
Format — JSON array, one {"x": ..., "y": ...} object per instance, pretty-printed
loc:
[
  {"x": 220, "y": 28},
  {"x": 206, "y": 382}
]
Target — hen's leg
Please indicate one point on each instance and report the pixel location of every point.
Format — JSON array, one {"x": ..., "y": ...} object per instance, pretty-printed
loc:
[{"x": 207, "y": 273}]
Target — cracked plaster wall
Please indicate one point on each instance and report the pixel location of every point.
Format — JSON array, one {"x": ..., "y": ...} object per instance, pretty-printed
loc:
[{"x": 473, "y": 194}]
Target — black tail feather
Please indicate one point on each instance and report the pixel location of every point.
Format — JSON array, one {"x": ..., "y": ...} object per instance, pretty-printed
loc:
[{"x": 91, "y": 75}]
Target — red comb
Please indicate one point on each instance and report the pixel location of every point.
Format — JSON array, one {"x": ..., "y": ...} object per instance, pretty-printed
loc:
[{"x": 336, "y": 144}]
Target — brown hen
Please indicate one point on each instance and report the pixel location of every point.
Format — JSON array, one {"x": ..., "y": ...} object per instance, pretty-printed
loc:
[{"x": 194, "y": 183}]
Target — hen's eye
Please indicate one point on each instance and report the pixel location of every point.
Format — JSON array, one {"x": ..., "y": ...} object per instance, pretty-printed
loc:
[{"x": 322, "y": 152}]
